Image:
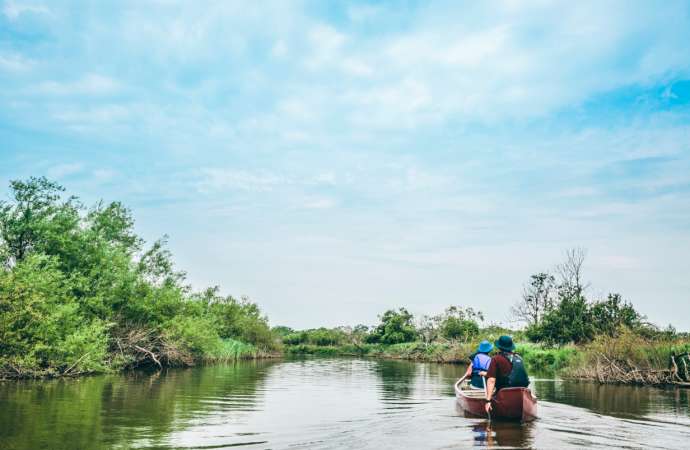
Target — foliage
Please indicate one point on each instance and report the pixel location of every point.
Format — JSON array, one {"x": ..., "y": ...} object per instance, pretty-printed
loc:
[
  {"x": 608, "y": 316},
  {"x": 569, "y": 322},
  {"x": 571, "y": 317},
  {"x": 80, "y": 293},
  {"x": 459, "y": 323},
  {"x": 320, "y": 337},
  {"x": 395, "y": 327}
]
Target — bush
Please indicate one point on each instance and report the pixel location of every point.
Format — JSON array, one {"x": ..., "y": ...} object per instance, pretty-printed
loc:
[
  {"x": 461, "y": 329},
  {"x": 395, "y": 327}
]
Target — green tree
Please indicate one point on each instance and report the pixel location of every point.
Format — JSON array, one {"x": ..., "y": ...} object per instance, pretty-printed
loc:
[
  {"x": 80, "y": 292},
  {"x": 459, "y": 323},
  {"x": 570, "y": 321},
  {"x": 609, "y": 315},
  {"x": 395, "y": 327}
]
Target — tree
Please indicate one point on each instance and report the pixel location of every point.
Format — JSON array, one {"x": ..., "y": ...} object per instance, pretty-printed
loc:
[
  {"x": 570, "y": 321},
  {"x": 537, "y": 298},
  {"x": 609, "y": 315},
  {"x": 396, "y": 327},
  {"x": 570, "y": 271},
  {"x": 37, "y": 219},
  {"x": 459, "y": 323},
  {"x": 428, "y": 328}
]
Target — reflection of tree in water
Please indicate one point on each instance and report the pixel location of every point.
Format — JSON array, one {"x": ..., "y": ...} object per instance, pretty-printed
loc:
[
  {"x": 109, "y": 411},
  {"x": 614, "y": 400},
  {"x": 397, "y": 378},
  {"x": 446, "y": 374}
]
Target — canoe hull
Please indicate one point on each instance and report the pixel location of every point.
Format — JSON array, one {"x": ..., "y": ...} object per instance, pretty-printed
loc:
[{"x": 509, "y": 403}]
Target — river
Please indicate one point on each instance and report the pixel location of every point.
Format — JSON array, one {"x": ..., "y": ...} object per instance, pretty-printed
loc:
[{"x": 324, "y": 403}]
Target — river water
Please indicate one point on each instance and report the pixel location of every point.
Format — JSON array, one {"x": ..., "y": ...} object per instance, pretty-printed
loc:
[{"x": 324, "y": 403}]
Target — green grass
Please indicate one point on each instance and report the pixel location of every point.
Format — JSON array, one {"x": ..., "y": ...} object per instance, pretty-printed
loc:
[{"x": 231, "y": 350}]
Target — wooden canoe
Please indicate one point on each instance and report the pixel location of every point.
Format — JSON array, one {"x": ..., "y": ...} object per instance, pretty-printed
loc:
[{"x": 514, "y": 403}]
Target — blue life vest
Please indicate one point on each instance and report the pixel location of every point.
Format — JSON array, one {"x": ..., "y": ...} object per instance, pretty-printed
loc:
[{"x": 480, "y": 362}]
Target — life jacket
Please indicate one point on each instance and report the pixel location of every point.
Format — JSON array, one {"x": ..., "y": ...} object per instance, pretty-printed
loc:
[
  {"x": 518, "y": 374},
  {"x": 480, "y": 362}
]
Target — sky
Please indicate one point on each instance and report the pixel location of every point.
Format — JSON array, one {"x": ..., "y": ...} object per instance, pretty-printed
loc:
[{"x": 331, "y": 160}]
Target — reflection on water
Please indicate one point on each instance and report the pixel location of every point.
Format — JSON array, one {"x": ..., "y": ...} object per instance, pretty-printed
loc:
[
  {"x": 324, "y": 403},
  {"x": 502, "y": 434},
  {"x": 619, "y": 401}
]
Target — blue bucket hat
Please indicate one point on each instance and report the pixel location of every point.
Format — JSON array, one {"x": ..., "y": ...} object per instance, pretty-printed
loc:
[
  {"x": 485, "y": 347},
  {"x": 505, "y": 343}
]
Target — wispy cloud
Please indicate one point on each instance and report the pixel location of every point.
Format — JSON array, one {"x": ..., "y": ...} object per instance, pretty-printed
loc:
[
  {"x": 89, "y": 84},
  {"x": 61, "y": 171},
  {"x": 13, "y": 10},
  {"x": 424, "y": 151}
]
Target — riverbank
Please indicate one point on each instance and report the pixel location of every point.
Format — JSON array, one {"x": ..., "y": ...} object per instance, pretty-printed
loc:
[
  {"x": 536, "y": 357},
  {"x": 226, "y": 351},
  {"x": 627, "y": 359}
]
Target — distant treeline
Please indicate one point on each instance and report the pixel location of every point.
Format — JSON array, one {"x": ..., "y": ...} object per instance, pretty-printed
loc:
[
  {"x": 563, "y": 330},
  {"x": 80, "y": 292}
]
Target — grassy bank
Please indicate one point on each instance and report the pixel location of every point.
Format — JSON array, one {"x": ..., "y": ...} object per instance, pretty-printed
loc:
[
  {"x": 626, "y": 359},
  {"x": 537, "y": 358},
  {"x": 633, "y": 359}
]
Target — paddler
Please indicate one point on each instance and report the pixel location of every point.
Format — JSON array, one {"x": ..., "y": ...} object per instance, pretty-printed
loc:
[{"x": 506, "y": 369}]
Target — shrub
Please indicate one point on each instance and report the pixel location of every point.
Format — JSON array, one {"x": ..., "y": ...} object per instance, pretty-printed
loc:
[{"x": 395, "y": 327}]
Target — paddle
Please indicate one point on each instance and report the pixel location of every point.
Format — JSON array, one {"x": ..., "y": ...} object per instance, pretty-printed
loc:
[{"x": 488, "y": 414}]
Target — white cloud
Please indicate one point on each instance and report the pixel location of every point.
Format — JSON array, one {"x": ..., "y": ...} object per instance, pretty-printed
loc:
[
  {"x": 230, "y": 179},
  {"x": 12, "y": 10},
  {"x": 15, "y": 63},
  {"x": 89, "y": 84},
  {"x": 279, "y": 49},
  {"x": 64, "y": 170},
  {"x": 319, "y": 203}
]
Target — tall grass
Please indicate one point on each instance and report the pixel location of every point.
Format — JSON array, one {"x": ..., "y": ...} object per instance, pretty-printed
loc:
[{"x": 231, "y": 350}]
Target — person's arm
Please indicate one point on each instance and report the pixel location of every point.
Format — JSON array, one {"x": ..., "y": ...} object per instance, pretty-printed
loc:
[
  {"x": 468, "y": 372},
  {"x": 490, "y": 384}
]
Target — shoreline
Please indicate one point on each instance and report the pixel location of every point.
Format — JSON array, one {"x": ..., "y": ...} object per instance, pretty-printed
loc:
[{"x": 338, "y": 352}]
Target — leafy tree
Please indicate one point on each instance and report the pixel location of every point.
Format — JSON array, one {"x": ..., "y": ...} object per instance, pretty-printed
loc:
[
  {"x": 570, "y": 321},
  {"x": 396, "y": 327},
  {"x": 39, "y": 322},
  {"x": 80, "y": 292},
  {"x": 609, "y": 315},
  {"x": 282, "y": 330},
  {"x": 459, "y": 323}
]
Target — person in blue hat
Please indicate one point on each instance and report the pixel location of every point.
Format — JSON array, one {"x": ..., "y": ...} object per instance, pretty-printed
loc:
[
  {"x": 479, "y": 364},
  {"x": 505, "y": 370}
]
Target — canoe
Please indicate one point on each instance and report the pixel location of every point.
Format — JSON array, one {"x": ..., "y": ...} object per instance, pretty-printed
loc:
[{"x": 515, "y": 403}]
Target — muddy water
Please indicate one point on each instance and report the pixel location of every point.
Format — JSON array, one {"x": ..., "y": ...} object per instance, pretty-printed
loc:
[{"x": 324, "y": 403}]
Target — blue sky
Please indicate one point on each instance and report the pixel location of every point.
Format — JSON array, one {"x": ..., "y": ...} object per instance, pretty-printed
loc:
[{"x": 331, "y": 160}]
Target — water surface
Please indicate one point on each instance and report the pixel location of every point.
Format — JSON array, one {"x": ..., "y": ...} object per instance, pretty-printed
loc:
[{"x": 324, "y": 403}]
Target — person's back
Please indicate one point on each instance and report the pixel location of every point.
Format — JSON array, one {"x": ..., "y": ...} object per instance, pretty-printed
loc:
[
  {"x": 509, "y": 370},
  {"x": 505, "y": 370},
  {"x": 507, "y": 367},
  {"x": 480, "y": 363}
]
